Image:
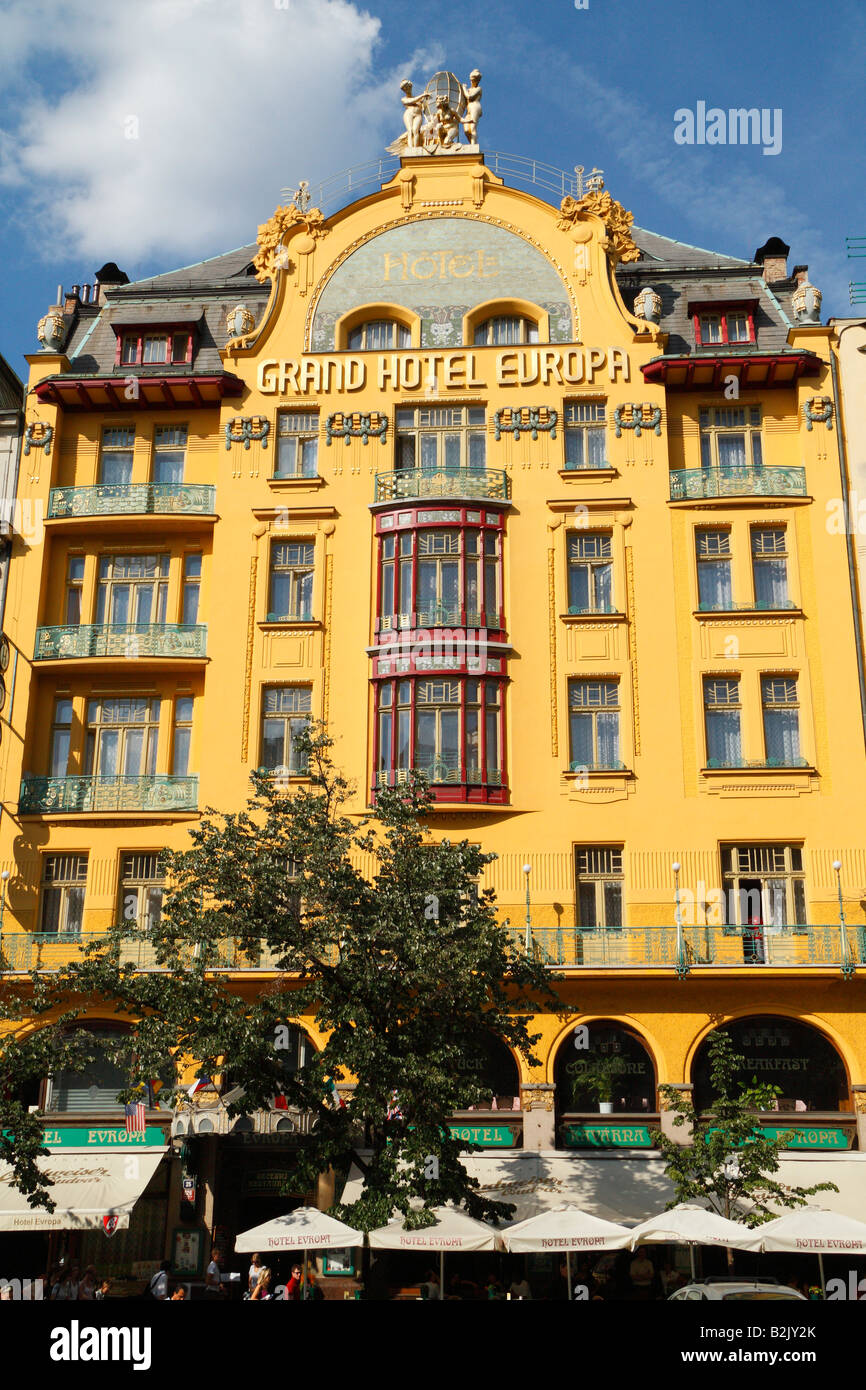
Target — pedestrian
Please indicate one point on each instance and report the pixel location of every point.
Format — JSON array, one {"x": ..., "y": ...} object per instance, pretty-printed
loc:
[
  {"x": 262, "y": 1289},
  {"x": 212, "y": 1280},
  {"x": 642, "y": 1274},
  {"x": 255, "y": 1271},
  {"x": 103, "y": 1291},
  {"x": 178, "y": 1295},
  {"x": 158, "y": 1286},
  {"x": 293, "y": 1288},
  {"x": 88, "y": 1285},
  {"x": 520, "y": 1288},
  {"x": 430, "y": 1287}
]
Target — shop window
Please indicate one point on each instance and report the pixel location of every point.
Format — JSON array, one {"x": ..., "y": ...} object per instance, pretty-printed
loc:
[
  {"x": 785, "y": 1053},
  {"x": 96, "y": 1086},
  {"x": 64, "y": 877},
  {"x": 614, "y": 1069}
]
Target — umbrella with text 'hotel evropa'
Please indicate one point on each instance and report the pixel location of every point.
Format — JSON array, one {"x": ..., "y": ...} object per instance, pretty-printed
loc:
[
  {"x": 688, "y": 1224},
  {"x": 453, "y": 1230},
  {"x": 813, "y": 1231},
  {"x": 566, "y": 1228}
]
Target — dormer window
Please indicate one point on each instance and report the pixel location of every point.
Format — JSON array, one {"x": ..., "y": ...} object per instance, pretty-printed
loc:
[
  {"x": 723, "y": 325},
  {"x": 138, "y": 347}
]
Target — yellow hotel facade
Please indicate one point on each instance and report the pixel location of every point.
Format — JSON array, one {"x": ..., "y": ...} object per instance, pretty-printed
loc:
[{"x": 520, "y": 495}]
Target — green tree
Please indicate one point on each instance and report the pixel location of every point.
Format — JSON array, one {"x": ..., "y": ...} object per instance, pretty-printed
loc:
[
  {"x": 377, "y": 930},
  {"x": 730, "y": 1162}
]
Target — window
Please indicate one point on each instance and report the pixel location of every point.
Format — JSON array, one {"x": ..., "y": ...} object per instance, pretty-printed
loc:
[
  {"x": 63, "y": 880},
  {"x": 593, "y": 710},
  {"x": 285, "y": 714},
  {"x": 297, "y": 444},
  {"x": 115, "y": 464},
  {"x": 764, "y": 885},
  {"x": 590, "y": 573},
  {"x": 95, "y": 1089},
  {"x": 731, "y": 438},
  {"x": 61, "y": 735},
  {"x": 155, "y": 349},
  {"x": 723, "y": 325},
  {"x": 74, "y": 589},
  {"x": 142, "y": 885},
  {"x": 129, "y": 349},
  {"x": 122, "y": 737},
  {"x": 585, "y": 434},
  {"x": 440, "y": 578},
  {"x": 457, "y": 734},
  {"x": 504, "y": 329},
  {"x": 133, "y": 589},
  {"x": 770, "y": 567},
  {"x": 169, "y": 453},
  {"x": 291, "y": 596},
  {"x": 377, "y": 335},
  {"x": 714, "y": 570},
  {"x": 191, "y": 587},
  {"x": 781, "y": 710},
  {"x": 599, "y": 886},
  {"x": 182, "y": 736},
  {"x": 722, "y": 717},
  {"x": 448, "y": 437}
]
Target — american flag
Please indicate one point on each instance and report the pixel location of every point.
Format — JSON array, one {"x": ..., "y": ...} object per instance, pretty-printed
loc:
[{"x": 134, "y": 1113}]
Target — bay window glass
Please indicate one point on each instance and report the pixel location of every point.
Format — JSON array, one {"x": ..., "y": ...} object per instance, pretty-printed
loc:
[
  {"x": 722, "y": 717},
  {"x": 593, "y": 709},
  {"x": 770, "y": 567},
  {"x": 61, "y": 736},
  {"x": 444, "y": 577},
  {"x": 714, "y": 570},
  {"x": 132, "y": 590},
  {"x": 449, "y": 730},
  {"x": 122, "y": 736}
]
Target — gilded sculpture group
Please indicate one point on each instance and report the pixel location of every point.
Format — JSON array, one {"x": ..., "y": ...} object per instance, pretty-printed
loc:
[{"x": 432, "y": 121}]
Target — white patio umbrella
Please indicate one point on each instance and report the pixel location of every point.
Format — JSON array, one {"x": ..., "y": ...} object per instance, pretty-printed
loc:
[
  {"x": 812, "y": 1230},
  {"x": 305, "y": 1229},
  {"x": 691, "y": 1225},
  {"x": 452, "y": 1230},
  {"x": 566, "y": 1228}
]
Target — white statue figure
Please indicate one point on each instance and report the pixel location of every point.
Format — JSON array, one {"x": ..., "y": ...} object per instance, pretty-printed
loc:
[
  {"x": 443, "y": 127},
  {"x": 414, "y": 111},
  {"x": 472, "y": 97}
]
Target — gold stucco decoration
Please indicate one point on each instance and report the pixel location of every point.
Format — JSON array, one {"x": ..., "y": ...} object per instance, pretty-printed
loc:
[
  {"x": 617, "y": 222},
  {"x": 272, "y": 255}
]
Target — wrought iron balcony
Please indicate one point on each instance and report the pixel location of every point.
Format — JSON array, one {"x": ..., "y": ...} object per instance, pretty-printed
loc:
[
  {"x": 612, "y": 766},
  {"x": 403, "y": 483},
  {"x": 695, "y": 483},
  {"x": 25, "y": 951},
  {"x": 442, "y": 772},
  {"x": 570, "y": 947},
  {"x": 107, "y": 499},
  {"x": 755, "y": 763},
  {"x": 441, "y": 615},
  {"x": 124, "y": 640},
  {"x": 50, "y": 795},
  {"x": 600, "y": 610},
  {"x": 759, "y": 606}
]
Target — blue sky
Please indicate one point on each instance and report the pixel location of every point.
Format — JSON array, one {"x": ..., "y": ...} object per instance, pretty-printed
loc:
[{"x": 158, "y": 133}]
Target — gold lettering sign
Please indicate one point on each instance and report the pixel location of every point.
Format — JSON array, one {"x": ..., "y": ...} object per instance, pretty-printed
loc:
[
  {"x": 442, "y": 371},
  {"x": 439, "y": 265}
]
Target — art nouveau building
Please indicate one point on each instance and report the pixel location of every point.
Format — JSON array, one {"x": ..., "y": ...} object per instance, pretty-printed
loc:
[{"x": 517, "y": 494}]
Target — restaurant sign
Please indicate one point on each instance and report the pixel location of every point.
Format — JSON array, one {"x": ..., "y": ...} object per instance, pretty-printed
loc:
[
  {"x": 103, "y": 1138},
  {"x": 590, "y": 1136},
  {"x": 490, "y": 1136},
  {"x": 270, "y": 1182},
  {"x": 804, "y": 1136}
]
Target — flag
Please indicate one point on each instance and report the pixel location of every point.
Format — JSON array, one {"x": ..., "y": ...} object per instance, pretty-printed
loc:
[
  {"x": 331, "y": 1091},
  {"x": 154, "y": 1088},
  {"x": 394, "y": 1111},
  {"x": 198, "y": 1085},
  {"x": 280, "y": 1102},
  {"x": 134, "y": 1113}
]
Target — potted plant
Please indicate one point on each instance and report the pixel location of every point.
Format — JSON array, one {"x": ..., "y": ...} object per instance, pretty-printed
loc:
[{"x": 600, "y": 1077}]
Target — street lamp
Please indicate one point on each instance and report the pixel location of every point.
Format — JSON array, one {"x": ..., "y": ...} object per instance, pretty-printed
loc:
[
  {"x": 846, "y": 960},
  {"x": 681, "y": 963},
  {"x": 527, "y": 869},
  {"x": 5, "y": 877}
]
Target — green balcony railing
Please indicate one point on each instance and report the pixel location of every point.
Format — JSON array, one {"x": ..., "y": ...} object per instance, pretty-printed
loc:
[
  {"x": 125, "y": 640},
  {"x": 26, "y": 951},
  {"x": 759, "y": 606},
  {"x": 568, "y": 947},
  {"x": 756, "y": 763},
  {"x": 443, "y": 772},
  {"x": 107, "y": 499},
  {"x": 692, "y": 483},
  {"x": 48, "y": 795},
  {"x": 442, "y": 482}
]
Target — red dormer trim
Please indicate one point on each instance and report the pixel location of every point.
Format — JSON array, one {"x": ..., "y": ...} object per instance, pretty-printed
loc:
[
  {"x": 183, "y": 329},
  {"x": 748, "y": 307}
]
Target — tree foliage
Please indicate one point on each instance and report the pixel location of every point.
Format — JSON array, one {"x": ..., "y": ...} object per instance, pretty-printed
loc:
[
  {"x": 730, "y": 1162},
  {"x": 372, "y": 928}
]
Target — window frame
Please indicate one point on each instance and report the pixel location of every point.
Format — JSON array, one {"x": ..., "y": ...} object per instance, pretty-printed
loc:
[
  {"x": 49, "y": 884},
  {"x": 178, "y": 339},
  {"x": 396, "y": 719},
  {"x": 734, "y": 705},
  {"x": 528, "y": 330},
  {"x": 141, "y": 885},
  {"x": 771, "y": 706},
  {"x": 574, "y": 538},
  {"x": 751, "y": 429},
  {"x": 302, "y": 437},
  {"x": 733, "y": 872},
  {"x": 733, "y": 308},
  {"x": 159, "y": 447},
  {"x": 400, "y": 558},
  {"x": 599, "y": 879},
  {"x": 703, "y": 562},
  {"x": 296, "y": 766},
  {"x": 586, "y": 430},
  {"x": 95, "y": 729},
  {"x": 765, "y": 558},
  {"x": 111, "y": 447},
  {"x": 594, "y": 708},
  {"x": 301, "y": 571},
  {"x": 467, "y": 430}
]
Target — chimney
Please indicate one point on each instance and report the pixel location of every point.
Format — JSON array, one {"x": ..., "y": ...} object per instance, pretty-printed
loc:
[
  {"x": 71, "y": 300},
  {"x": 105, "y": 278},
  {"x": 801, "y": 274},
  {"x": 773, "y": 256}
]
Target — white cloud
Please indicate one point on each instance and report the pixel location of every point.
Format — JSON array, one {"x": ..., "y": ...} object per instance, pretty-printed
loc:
[{"x": 176, "y": 122}]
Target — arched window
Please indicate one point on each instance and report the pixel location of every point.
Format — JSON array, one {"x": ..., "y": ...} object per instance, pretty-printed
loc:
[
  {"x": 377, "y": 335},
  {"x": 780, "y": 1052},
  {"x": 605, "y": 1065},
  {"x": 491, "y": 1065},
  {"x": 504, "y": 329},
  {"x": 95, "y": 1087}
]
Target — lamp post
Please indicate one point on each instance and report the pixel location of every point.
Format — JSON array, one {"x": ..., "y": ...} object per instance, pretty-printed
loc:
[
  {"x": 5, "y": 877},
  {"x": 846, "y": 960},
  {"x": 682, "y": 964},
  {"x": 527, "y": 869}
]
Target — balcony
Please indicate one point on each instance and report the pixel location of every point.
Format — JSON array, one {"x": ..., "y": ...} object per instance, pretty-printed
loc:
[
  {"x": 754, "y": 764},
  {"x": 782, "y": 605},
  {"x": 128, "y": 640},
  {"x": 161, "y": 795},
  {"x": 569, "y": 947},
  {"x": 443, "y": 772},
  {"x": 25, "y": 951},
  {"x": 399, "y": 486},
  {"x": 694, "y": 484},
  {"x": 132, "y": 499},
  {"x": 442, "y": 615}
]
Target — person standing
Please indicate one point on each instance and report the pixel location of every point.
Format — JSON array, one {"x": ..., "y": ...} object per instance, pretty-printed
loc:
[
  {"x": 642, "y": 1274},
  {"x": 212, "y": 1280},
  {"x": 255, "y": 1270},
  {"x": 293, "y": 1288},
  {"x": 159, "y": 1282}
]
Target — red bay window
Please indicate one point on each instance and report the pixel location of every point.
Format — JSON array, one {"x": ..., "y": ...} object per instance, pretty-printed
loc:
[{"x": 450, "y": 728}]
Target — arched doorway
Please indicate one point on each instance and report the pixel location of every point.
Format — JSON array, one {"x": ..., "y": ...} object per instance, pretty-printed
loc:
[
  {"x": 781, "y": 1052},
  {"x": 491, "y": 1065},
  {"x": 603, "y": 1067}
]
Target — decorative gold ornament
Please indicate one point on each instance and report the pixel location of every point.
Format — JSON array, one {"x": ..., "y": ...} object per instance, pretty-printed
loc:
[
  {"x": 272, "y": 254},
  {"x": 618, "y": 243}
]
